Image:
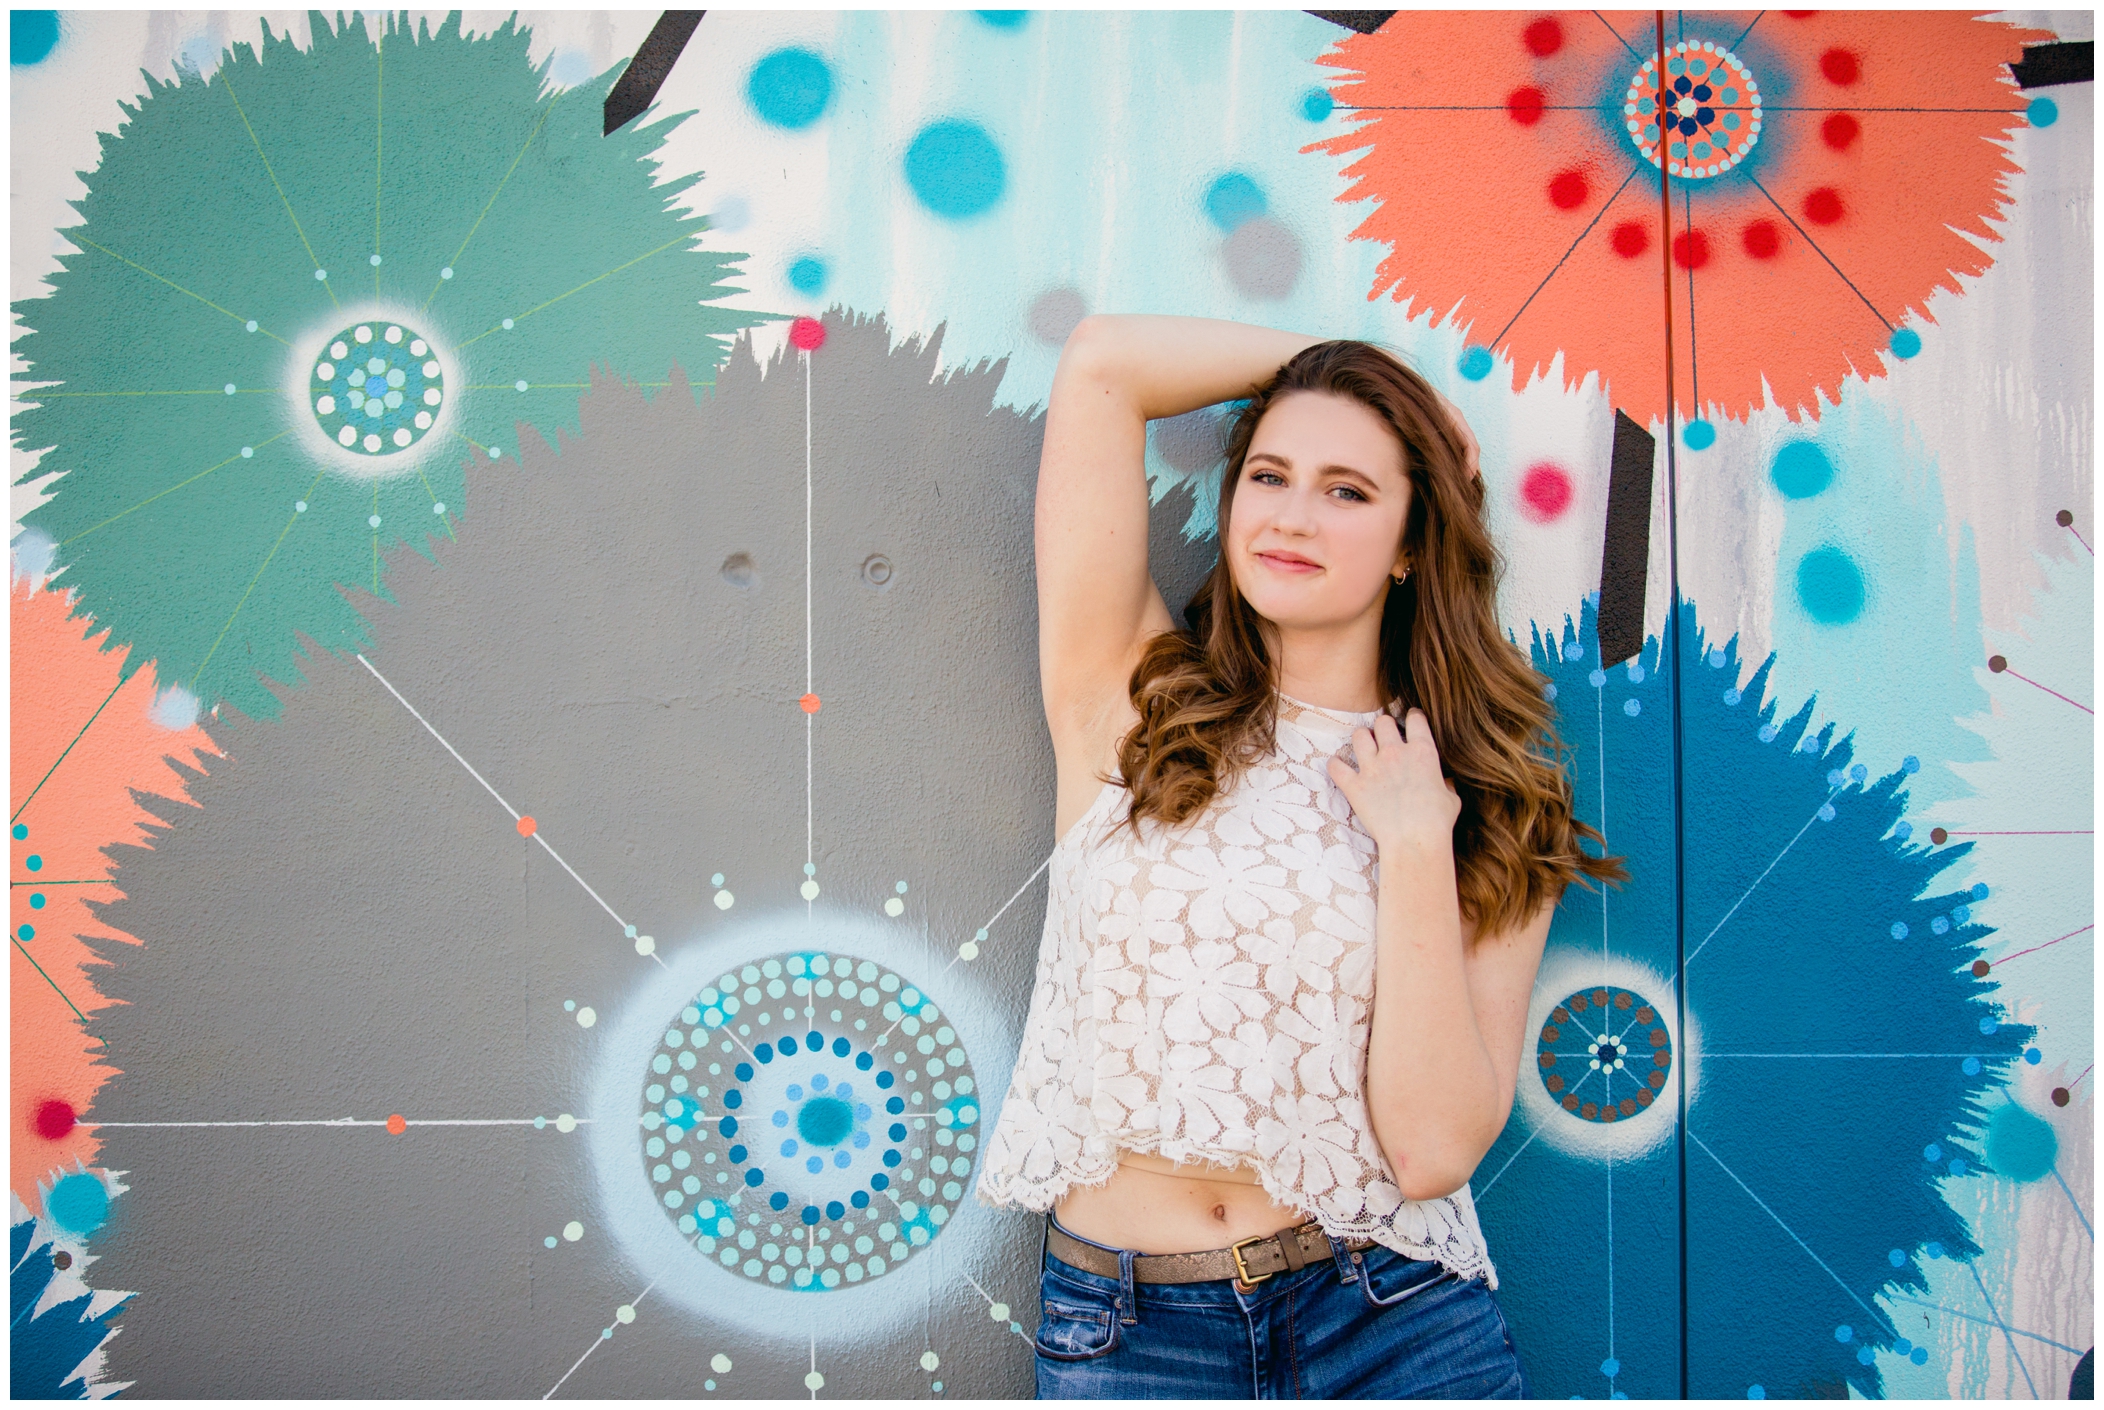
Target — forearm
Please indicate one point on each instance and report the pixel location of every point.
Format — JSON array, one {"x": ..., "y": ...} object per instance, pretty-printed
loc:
[
  {"x": 1432, "y": 1092},
  {"x": 1166, "y": 366}
]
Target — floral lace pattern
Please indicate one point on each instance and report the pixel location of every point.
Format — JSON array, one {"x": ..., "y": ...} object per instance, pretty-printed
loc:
[{"x": 1205, "y": 993}]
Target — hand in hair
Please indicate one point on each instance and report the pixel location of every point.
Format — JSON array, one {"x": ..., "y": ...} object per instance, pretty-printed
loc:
[{"x": 1397, "y": 790}]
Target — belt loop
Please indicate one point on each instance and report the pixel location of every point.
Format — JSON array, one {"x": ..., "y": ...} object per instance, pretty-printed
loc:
[
  {"x": 1347, "y": 1271},
  {"x": 1128, "y": 1296}
]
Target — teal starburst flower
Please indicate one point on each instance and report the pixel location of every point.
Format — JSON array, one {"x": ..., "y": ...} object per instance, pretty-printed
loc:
[{"x": 307, "y": 289}]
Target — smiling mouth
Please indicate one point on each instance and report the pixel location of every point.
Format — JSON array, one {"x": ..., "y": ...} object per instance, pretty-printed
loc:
[{"x": 1287, "y": 561}]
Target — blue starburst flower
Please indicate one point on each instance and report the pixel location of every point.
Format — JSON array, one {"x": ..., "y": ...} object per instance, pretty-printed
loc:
[{"x": 306, "y": 290}]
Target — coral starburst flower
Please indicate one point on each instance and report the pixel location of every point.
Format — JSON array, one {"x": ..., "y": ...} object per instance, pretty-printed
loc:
[{"x": 1827, "y": 171}]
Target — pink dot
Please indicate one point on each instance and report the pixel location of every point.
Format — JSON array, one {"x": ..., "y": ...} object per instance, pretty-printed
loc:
[
  {"x": 1545, "y": 493},
  {"x": 527, "y": 827},
  {"x": 808, "y": 334}
]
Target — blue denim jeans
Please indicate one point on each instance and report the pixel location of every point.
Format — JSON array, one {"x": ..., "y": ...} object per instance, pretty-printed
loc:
[{"x": 1366, "y": 1325}]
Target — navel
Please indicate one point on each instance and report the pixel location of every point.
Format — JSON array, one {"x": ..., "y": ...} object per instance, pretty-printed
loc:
[{"x": 1220, "y": 1212}]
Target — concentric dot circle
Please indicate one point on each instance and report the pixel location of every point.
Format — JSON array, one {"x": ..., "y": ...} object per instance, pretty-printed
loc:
[
  {"x": 809, "y": 1121},
  {"x": 376, "y": 388},
  {"x": 1605, "y": 1054},
  {"x": 1711, "y": 110}
]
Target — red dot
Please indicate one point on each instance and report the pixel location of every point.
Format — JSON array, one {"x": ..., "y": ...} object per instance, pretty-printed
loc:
[
  {"x": 396, "y": 1125},
  {"x": 1762, "y": 239},
  {"x": 1545, "y": 492},
  {"x": 1544, "y": 37},
  {"x": 1568, "y": 189},
  {"x": 1840, "y": 66},
  {"x": 1631, "y": 239},
  {"x": 1524, "y": 104},
  {"x": 1691, "y": 249},
  {"x": 1800, "y": 14},
  {"x": 810, "y": 704},
  {"x": 1840, "y": 130},
  {"x": 54, "y": 1120},
  {"x": 1823, "y": 207},
  {"x": 527, "y": 827},
  {"x": 808, "y": 334}
]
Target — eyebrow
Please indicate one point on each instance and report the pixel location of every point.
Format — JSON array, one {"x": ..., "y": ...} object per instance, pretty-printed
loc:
[{"x": 1356, "y": 474}]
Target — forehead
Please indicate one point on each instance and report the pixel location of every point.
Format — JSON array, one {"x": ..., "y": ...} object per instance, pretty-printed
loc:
[{"x": 1311, "y": 430}]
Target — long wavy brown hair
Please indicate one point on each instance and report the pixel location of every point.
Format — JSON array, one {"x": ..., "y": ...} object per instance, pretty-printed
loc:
[{"x": 1208, "y": 700}]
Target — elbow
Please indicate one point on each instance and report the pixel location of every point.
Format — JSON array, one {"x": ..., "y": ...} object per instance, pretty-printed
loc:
[{"x": 1087, "y": 348}]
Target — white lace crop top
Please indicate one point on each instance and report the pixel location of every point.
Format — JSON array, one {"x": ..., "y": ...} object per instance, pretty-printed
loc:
[{"x": 1204, "y": 993}]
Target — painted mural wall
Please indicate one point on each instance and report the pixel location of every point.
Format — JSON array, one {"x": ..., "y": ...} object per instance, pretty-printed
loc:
[{"x": 528, "y": 791}]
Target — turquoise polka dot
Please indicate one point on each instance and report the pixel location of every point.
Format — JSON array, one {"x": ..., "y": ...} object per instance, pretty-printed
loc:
[
  {"x": 1699, "y": 435},
  {"x": 1905, "y": 342},
  {"x": 1316, "y": 104},
  {"x": 1801, "y": 470},
  {"x": 21, "y": 831},
  {"x": 78, "y": 1203},
  {"x": 27, "y": 932},
  {"x": 34, "y": 863},
  {"x": 790, "y": 88},
  {"x": 36, "y": 900},
  {"x": 2043, "y": 112},
  {"x": 807, "y": 275},
  {"x": 2021, "y": 1146},
  {"x": 955, "y": 169},
  {"x": 1830, "y": 586},
  {"x": 31, "y": 36},
  {"x": 1003, "y": 19},
  {"x": 1475, "y": 364},
  {"x": 1233, "y": 199}
]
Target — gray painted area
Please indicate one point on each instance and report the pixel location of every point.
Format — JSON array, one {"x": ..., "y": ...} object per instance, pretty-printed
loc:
[{"x": 350, "y": 926}]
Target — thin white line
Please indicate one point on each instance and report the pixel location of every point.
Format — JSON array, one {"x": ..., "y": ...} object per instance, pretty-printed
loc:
[
  {"x": 810, "y": 854},
  {"x": 975, "y": 1283},
  {"x": 537, "y": 836},
  {"x": 343, "y": 1121},
  {"x": 1972, "y": 1317},
  {"x": 998, "y": 914},
  {"x": 1611, "y": 1261},
  {"x": 2078, "y": 1207},
  {"x": 1875, "y": 1314},
  {"x": 593, "y": 1347},
  {"x": 1847, "y": 1055},
  {"x": 1600, "y": 727},
  {"x": 2014, "y": 1354},
  {"x": 814, "y": 1362},
  {"x": 1478, "y": 1194},
  {"x": 1763, "y": 876}
]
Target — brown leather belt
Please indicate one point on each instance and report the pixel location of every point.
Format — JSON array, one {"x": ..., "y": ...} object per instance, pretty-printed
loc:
[{"x": 1248, "y": 1262}]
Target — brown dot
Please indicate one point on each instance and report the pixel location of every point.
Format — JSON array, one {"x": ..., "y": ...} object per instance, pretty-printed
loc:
[
  {"x": 1559, "y": 1014},
  {"x": 1998, "y": 664},
  {"x": 1623, "y": 1000},
  {"x": 1600, "y": 997},
  {"x": 1570, "y": 1101},
  {"x": 1657, "y": 1080},
  {"x": 1658, "y": 1038},
  {"x": 1554, "y": 1084},
  {"x": 1643, "y": 1096},
  {"x": 1938, "y": 836},
  {"x": 1590, "y": 1111},
  {"x": 1547, "y": 1060},
  {"x": 1607, "y": 1113},
  {"x": 1628, "y": 1107},
  {"x": 1645, "y": 1014},
  {"x": 1979, "y": 969},
  {"x": 2060, "y": 1096},
  {"x": 2063, "y": 519},
  {"x": 1550, "y": 1033},
  {"x": 1662, "y": 1058},
  {"x": 62, "y": 1260},
  {"x": 1579, "y": 1003}
]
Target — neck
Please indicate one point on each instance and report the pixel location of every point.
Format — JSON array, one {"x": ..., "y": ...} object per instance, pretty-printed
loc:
[{"x": 1336, "y": 667}]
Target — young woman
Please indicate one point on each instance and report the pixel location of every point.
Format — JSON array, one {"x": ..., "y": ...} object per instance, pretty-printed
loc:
[{"x": 1308, "y": 853}]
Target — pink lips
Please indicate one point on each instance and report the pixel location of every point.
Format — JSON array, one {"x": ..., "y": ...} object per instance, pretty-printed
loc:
[{"x": 1288, "y": 563}]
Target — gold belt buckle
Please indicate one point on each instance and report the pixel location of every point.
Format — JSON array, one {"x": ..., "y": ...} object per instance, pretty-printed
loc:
[{"x": 1242, "y": 1275}]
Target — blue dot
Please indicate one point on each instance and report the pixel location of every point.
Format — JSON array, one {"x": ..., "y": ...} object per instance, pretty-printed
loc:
[
  {"x": 825, "y": 1121},
  {"x": 1573, "y": 651},
  {"x": 1867, "y": 1356},
  {"x": 840, "y": 1047},
  {"x": 78, "y": 1203},
  {"x": 1903, "y": 830},
  {"x": 728, "y": 1126},
  {"x": 863, "y": 1061},
  {"x": 744, "y": 1071},
  {"x": 765, "y": 1052},
  {"x": 756, "y": 1177},
  {"x": 955, "y": 169},
  {"x": 1971, "y": 1067},
  {"x": 33, "y": 34},
  {"x": 1897, "y": 1258},
  {"x": 1857, "y": 773},
  {"x": 1636, "y": 672},
  {"x": 814, "y": 1164},
  {"x": 1979, "y": 891},
  {"x": 1755, "y": 1392},
  {"x": 2043, "y": 112},
  {"x": 1610, "y": 1367},
  {"x": 27, "y": 932},
  {"x": 1767, "y": 734},
  {"x": 21, "y": 831},
  {"x": 859, "y": 1199},
  {"x": 1919, "y": 1356},
  {"x": 1548, "y": 691},
  {"x": 1316, "y": 104},
  {"x": 1957, "y": 1166},
  {"x": 738, "y": 1154},
  {"x": 879, "y": 1181},
  {"x": 1596, "y": 679},
  {"x": 1988, "y": 1025},
  {"x": 1801, "y": 470},
  {"x": 1003, "y": 19},
  {"x": 795, "y": 1093},
  {"x": 33, "y": 862},
  {"x": 1632, "y": 707},
  {"x": 2021, "y": 1146},
  {"x": 1475, "y": 364},
  {"x": 1940, "y": 925},
  {"x": 1844, "y": 1332},
  {"x": 1733, "y": 696},
  {"x": 816, "y": 1044},
  {"x": 892, "y": 1158},
  {"x": 1826, "y": 812},
  {"x": 36, "y": 900},
  {"x": 1932, "y": 1153},
  {"x": 778, "y": 1200},
  {"x": 788, "y": 1148},
  {"x": 1233, "y": 199},
  {"x": 1902, "y": 1346},
  {"x": 1933, "y": 1249},
  {"x": 1699, "y": 435},
  {"x": 885, "y": 1079},
  {"x": 810, "y": 1214},
  {"x": 790, "y": 88},
  {"x": 734, "y": 1098},
  {"x": 1905, "y": 343},
  {"x": 1899, "y": 930},
  {"x": 2033, "y": 1056},
  {"x": 1715, "y": 658},
  {"x": 1830, "y": 586},
  {"x": 1910, "y": 765},
  {"x": 835, "y": 1210}
]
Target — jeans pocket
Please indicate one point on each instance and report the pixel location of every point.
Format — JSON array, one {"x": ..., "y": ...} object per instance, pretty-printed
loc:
[
  {"x": 1387, "y": 1278},
  {"x": 1075, "y": 1331}
]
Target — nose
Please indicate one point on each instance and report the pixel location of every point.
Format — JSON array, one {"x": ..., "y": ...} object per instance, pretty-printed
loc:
[{"x": 1295, "y": 514}]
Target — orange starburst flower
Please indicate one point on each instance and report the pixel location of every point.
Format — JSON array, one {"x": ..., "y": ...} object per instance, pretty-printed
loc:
[{"x": 1826, "y": 169}]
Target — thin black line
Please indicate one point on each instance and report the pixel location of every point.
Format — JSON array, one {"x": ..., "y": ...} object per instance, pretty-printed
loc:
[
  {"x": 92, "y": 881},
  {"x": 1821, "y": 253},
  {"x": 1567, "y": 253},
  {"x": 1744, "y": 32},
  {"x": 1687, "y": 218},
  {"x": 69, "y": 747},
  {"x": 1618, "y": 36}
]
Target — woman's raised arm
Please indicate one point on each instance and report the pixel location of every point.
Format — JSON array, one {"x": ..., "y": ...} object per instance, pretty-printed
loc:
[{"x": 1096, "y": 605}]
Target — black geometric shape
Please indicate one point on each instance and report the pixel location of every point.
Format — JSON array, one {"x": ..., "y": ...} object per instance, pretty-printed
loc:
[
  {"x": 1626, "y": 554},
  {"x": 646, "y": 72},
  {"x": 1361, "y": 21},
  {"x": 2046, "y": 64},
  {"x": 2082, "y": 1385}
]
